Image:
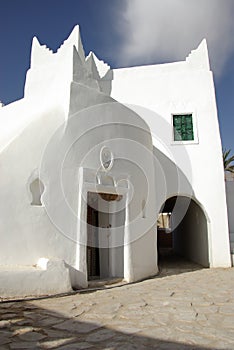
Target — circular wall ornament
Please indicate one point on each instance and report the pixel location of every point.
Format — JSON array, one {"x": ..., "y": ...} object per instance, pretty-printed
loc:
[{"x": 106, "y": 158}]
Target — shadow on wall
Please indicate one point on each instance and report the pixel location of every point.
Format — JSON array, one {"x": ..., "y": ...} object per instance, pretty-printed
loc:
[
  {"x": 170, "y": 180},
  {"x": 25, "y": 325}
]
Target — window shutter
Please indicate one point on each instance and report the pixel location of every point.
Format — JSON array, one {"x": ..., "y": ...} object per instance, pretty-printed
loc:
[{"x": 183, "y": 127}]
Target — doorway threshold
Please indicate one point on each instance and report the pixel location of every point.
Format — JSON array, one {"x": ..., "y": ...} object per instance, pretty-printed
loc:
[{"x": 106, "y": 282}]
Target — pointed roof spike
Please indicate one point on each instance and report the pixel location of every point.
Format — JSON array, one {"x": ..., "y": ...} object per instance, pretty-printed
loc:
[
  {"x": 91, "y": 66},
  {"x": 36, "y": 46},
  {"x": 74, "y": 39},
  {"x": 203, "y": 50},
  {"x": 35, "y": 41},
  {"x": 200, "y": 57},
  {"x": 102, "y": 67},
  {"x": 80, "y": 46}
]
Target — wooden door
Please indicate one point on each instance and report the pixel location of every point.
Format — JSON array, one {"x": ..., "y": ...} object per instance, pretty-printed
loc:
[{"x": 93, "y": 265}]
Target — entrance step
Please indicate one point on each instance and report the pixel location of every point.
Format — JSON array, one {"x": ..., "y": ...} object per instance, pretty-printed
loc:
[{"x": 105, "y": 282}]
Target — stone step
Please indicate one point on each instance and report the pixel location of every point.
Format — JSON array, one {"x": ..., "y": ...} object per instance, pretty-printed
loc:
[{"x": 103, "y": 282}]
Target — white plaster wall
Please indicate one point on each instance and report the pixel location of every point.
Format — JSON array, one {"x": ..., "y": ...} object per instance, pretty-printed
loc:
[
  {"x": 157, "y": 92},
  {"x": 26, "y": 231},
  {"x": 54, "y": 279},
  {"x": 115, "y": 126}
]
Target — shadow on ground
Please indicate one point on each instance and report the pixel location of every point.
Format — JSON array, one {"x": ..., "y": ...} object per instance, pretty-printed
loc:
[
  {"x": 24, "y": 325},
  {"x": 172, "y": 264}
]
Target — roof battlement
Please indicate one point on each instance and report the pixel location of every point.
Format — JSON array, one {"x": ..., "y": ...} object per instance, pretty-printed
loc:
[
  {"x": 53, "y": 72},
  {"x": 74, "y": 39},
  {"x": 41, "y": 54},
  {"x": 199, "y": 58}
]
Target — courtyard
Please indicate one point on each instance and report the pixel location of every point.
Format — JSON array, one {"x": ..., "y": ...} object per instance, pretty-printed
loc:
[{"x": 184, "y": 308}]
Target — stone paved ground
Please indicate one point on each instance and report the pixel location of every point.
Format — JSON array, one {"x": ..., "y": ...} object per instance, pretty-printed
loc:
[{"x": 192, "y": 310}]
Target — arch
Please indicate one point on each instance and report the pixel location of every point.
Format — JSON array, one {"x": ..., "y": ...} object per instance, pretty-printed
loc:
[
  {"x": 188, "y": 230},
  {"x": 188, "y": 198}
]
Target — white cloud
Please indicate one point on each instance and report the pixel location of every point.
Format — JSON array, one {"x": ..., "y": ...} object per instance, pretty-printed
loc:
[{"x": 167, "y": 30}]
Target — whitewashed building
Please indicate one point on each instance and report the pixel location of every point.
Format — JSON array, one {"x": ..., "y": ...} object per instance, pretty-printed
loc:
[{"x": 89, "y": 159}]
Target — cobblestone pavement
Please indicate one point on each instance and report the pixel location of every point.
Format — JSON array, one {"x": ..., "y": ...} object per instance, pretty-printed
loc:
[{"x": 191, "y": 310}]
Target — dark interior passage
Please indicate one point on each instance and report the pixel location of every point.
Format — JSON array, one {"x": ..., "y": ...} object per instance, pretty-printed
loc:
[{"x": 185, "y": 234}]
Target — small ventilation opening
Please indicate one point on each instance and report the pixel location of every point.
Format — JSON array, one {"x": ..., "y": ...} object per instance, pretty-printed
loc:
[{"x": 36, "y": 188}]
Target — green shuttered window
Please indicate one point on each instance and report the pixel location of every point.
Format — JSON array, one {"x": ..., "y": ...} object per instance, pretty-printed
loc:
[{"x": 183, "y": 127}]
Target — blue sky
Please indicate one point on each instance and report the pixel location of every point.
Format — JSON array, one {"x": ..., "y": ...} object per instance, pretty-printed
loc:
[{"x": 122, "y": 33}]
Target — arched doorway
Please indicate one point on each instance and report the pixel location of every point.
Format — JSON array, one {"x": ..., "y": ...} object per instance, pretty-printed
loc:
[{"x": 182, "y": 230}]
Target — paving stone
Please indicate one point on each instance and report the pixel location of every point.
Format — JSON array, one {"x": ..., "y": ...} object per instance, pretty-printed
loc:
[
  {"x": 108, "y": 308},
  {"x": 31, "y": 314},
  {"x": 192, "y": 310},
  {"x": 24, "y": 345},
  {"x": 227, "y": 310},
  {"x": 96, "y": 317},
  {"x": 196, "y": 339},
  {"x": 49, "y": 321},
  {"x": 24, "y": 322},
  {"x": 76, "y": 346},
  {"x": 32, "y": 336},
  {"x": 22, "y": 330},
  {"x": 100, "y": 335},
  {"x": 76, "y": 326},
  {"x": 7, "y": 305},
  {"x": 223, "y": 345},
  {"x": 185, "y": 315},
  {"x": 175, "y": 346},
  {"x": 50, "y": 313},
  {"x": 9, "y": 315},
  {"x": 53, "y": 344},
  {"x": 157, "y": 333},
  {"x": 4, "y": 340},
  {"x": 53, "y": 333},
  {"x": 4, "y": 323},
  {"x": 127, "y": 329},
  {"x": 127, "y": 347},
  {"x": 5, "y": 333},
  {"x": 205, "y": 310},
  {"x": 228, "y": 322}
]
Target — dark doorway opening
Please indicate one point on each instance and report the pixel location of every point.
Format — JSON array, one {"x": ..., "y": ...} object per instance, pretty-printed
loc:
[
  {"x": 93, "y": 264},
  {"x": 105, "y": 236},
  {"x": 183, "y": 237}
]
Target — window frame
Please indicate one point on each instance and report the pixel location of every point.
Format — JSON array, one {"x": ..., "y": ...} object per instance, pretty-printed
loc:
[{"x": 195, "y": 132}]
